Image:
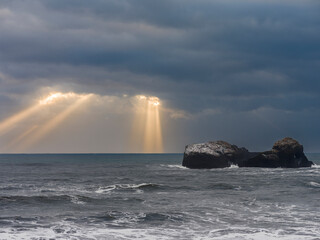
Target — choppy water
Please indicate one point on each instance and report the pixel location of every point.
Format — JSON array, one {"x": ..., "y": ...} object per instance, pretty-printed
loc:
[{"x": 138, "y": 196}]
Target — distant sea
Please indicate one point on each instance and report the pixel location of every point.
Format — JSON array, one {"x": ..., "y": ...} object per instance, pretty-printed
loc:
[{"x": 151, "y": 196}]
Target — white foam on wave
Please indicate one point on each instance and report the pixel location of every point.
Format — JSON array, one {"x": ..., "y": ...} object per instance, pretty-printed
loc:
[
  {"x": 175, "y": 166},
  {"x": 126, "y": 226},
  {"x": 105, "y": 189},
  {"x": 110, "y": 188},
  {"x": 35, "y": 234},
  {"x": 65, "y": 230},
  {"x": 315, "y": 166},
  {"x": 76, "y": 200},
  {"x": 314, "y": 184},
  {"x": 234, "y": 166},
  {"x": 255, "y": 234}
]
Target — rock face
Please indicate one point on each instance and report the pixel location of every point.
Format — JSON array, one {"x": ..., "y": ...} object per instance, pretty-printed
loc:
[
  {"x": 217, "y": 154},
  {"x": 286, "y": 153}
]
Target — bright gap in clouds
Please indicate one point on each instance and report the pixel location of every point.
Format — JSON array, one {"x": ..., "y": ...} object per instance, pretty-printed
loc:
[
  {"x": 26, "y": 129},
  {"x": 52, "y": 97}
]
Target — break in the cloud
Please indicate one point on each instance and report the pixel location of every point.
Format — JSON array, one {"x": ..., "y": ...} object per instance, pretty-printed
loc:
[{"x": 244, "y": 71}]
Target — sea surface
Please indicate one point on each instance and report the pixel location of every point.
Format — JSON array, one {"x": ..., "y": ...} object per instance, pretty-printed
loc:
[{"x": 151, "y": 196}]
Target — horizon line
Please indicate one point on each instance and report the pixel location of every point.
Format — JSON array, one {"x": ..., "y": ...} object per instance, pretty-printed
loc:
[
  {"x": 91, "y": 153},
  {"x": 110, "y": 153}
]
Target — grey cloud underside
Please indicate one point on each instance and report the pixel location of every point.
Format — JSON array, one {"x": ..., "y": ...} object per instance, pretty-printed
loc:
[
  {"x": 200, "y": 56},
  {"x": 219, "y": 45}
]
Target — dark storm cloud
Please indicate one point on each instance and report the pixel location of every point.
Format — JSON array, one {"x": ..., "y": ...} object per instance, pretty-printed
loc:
[{"x": 197, "y": 55}]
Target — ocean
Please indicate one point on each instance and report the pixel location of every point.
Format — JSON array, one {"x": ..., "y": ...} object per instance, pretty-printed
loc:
[{"x": 151, "y": 196}]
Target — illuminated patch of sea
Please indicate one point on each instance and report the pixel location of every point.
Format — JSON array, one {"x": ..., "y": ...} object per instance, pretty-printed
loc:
[{"x": 146, "y": 196}]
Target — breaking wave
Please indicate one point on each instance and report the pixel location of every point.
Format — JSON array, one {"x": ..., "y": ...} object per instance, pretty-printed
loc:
[
  {"x": 154, "y": 197},
  {"x": 141, "y": 186}
]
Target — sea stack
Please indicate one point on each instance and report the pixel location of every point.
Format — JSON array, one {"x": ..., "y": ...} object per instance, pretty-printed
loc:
[
  {"x": 217, "y": 154},
  {"x": 286, "y": 153}
]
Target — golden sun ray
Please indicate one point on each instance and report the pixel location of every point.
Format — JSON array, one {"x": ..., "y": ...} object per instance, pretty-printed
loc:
[
  {"x": 53, "y": 123},
  {"x": 147, "y": 125},
  {"x": 9, "y": 123},
  {"x": 20, "y": 138},
  {"x": 158, "y": 131},
  {"x": 139, "y": 121},
  {"x": 148, "y": 132}
]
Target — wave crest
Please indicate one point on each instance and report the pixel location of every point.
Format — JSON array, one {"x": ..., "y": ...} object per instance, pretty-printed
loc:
[{"x": 141, "y": 186}]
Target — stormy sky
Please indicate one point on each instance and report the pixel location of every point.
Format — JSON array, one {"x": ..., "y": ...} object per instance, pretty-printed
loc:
[{"x": 246, "y": 72}]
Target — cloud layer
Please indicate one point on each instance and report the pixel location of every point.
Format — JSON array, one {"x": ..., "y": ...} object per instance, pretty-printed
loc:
[{"x": 244, "y": 71}]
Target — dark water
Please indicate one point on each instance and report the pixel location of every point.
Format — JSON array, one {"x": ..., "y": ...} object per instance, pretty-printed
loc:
[{"x": 138, "y": 196}]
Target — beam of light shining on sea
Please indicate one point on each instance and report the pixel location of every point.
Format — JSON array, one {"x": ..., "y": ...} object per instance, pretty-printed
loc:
[
  {"x": 147, "y": 125},
  {"x": 158, "y": 133},
  {"x": 9, "y": 123},
  {"x": 53, "y": 123},
  {"x": 139, "y": 121},
  {"x": 149, "y": 140},
  {"x": 20, "y": 138}
]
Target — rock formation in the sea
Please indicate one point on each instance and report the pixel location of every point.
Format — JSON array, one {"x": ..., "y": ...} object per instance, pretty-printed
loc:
[
  {"x": 286, "y": 153},
  {"x": 217, "y": 154}
]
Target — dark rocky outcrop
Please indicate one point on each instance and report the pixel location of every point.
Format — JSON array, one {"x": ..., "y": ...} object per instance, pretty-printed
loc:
[
  {"x": 217, "y": 154},
  {"x": 286, "y": 153}
]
